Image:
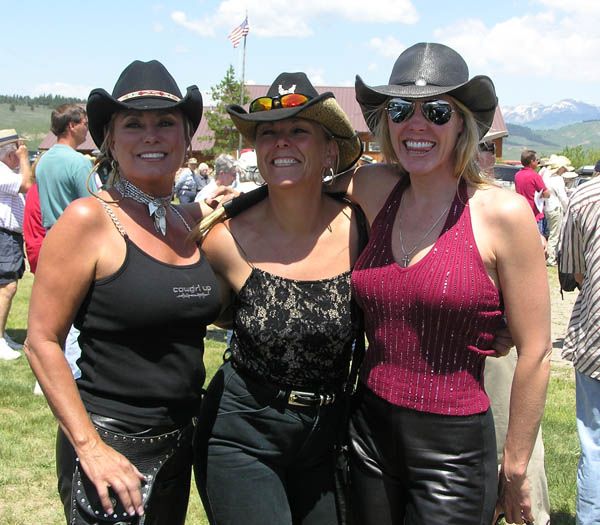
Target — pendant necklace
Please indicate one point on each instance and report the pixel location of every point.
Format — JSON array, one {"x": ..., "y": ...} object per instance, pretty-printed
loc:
[
  {"x": 157, "y": 206},
  {"x": 407, "y": 255}
]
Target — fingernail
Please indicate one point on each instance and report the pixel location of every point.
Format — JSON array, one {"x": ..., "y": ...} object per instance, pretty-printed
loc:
[
  {"x": 131, "y": 511},
  {"x": 140, "y": 511},
  {"x": 110, "y": 510}
]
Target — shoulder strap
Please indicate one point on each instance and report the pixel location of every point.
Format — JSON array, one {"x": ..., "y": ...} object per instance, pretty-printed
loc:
[
  {"x": 114, "y": 218},
  {"x": 361, "y": 219},
  {"x": 244, "y": 256}
]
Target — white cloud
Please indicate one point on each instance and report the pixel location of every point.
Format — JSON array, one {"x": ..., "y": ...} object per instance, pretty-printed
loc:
[
  {"x": 180, "y": 49},
  {"x": 387, "y": 47},
  {"x": 61, "y": 88},
  {"x": 274, "y": 18},
  {"x": 582, "y": 7},
  {"x": 545, "y": 45},
  {"x": 158, "y": 27},
  {"x": 202, "y": 27},
  {"x": 316, "y": 76}
]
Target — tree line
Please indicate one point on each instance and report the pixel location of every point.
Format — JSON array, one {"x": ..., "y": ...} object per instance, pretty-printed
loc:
[
  {"x": 51, "y": 101},
  {"x": 228, "y": 91}
]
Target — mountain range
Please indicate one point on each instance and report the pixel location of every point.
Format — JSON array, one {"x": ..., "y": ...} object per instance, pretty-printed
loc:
[{"x": 540, "y": 116}]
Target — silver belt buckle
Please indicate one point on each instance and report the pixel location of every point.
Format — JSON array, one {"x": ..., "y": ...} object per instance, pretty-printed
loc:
[{"x": 300, "y": 398}]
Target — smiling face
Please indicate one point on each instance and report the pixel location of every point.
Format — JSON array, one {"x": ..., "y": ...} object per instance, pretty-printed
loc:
[
  {"x": 149, "y": 146},
  {"x": 423, "y": 147},
  {"x": 292, "y": 150}
]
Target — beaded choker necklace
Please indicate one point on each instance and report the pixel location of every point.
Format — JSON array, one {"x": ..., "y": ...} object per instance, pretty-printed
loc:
[{"x": 157, "y": 206}]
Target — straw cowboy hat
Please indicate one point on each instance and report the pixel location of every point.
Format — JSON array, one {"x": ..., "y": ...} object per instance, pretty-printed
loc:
[
  {"x": 142, "y": 86},
  {"x": 8, "y": 136},
  {"x": 427, "y": 70},
  {"x": 321, "y": 108},
  {"x": 555, "y": 162}
]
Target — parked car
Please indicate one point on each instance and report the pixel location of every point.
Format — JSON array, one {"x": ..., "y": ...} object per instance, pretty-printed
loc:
[
  {"x": 585, "y": 171},
  {"x": 33, "y": 155},
  {"x": 584, "y": 174},
  {"x": 505, "y": 174}
]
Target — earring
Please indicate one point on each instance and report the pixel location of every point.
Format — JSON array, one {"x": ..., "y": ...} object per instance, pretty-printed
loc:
[
  {"x": 115, "y": 174},
  {"x": 328, "y": 176}
]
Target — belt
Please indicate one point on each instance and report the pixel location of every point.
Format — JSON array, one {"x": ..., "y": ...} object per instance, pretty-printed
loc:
[
  {"x": 300, "y": 398},
  {"x": 309, "y": 399},
  {"x": 10, "y": 232}
]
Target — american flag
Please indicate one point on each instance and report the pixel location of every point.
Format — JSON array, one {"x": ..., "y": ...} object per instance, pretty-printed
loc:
[{"x": 240, "y": 31}]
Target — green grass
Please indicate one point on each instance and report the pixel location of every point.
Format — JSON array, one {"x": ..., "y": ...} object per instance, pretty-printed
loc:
[
  {"x": 27, "y": 433},
  {"x": 33, "y": 126}
]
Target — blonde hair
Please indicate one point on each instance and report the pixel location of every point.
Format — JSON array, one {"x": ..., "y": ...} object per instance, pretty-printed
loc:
[{"x": 465, "y": 151}]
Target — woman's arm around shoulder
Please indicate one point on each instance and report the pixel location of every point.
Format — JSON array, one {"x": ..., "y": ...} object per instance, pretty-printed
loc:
[
  {"x": 224, "y": 256},
  {"x": 523, "y": 282},
  {"x": 199, "y": 210},
  {"x": 369, "y": 186}
]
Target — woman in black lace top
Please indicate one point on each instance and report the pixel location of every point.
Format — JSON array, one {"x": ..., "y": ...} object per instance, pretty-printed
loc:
[{"x": 270, "y": 416}]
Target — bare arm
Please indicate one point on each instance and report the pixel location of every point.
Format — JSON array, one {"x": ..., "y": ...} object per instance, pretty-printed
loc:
[
  {"x": 67, "y": 265},
  {"x": 369, "y": 186},
  {"x": 24, "y": 168},
  {"x": 523, "y": 281}
]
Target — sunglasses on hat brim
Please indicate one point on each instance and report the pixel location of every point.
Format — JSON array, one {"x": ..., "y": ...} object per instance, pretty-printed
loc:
[
  {"x": 487, "y": 146},
  {"x": 438, "y": 112},
  {"x": 290, "y": 100}
]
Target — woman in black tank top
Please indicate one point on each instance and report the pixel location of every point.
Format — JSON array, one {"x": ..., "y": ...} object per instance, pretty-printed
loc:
[
  {"x": 120, "y": 265},
  {"x": 271, "y": 414}
]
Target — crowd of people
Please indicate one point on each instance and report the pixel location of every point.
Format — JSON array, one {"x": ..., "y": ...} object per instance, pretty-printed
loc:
[{"x": 422, "y": 254}]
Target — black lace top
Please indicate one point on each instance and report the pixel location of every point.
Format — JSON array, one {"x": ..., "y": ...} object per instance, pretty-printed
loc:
[{"x": 295, "y": 334}]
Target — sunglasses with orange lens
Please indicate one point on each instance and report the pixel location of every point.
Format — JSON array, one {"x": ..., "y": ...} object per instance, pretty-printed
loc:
[{"x": 291, "y": 100}]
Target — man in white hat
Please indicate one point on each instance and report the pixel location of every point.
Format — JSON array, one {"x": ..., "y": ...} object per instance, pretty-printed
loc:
[
  {"x": 186, "y": 186},
  {"x": 15, "y": 180},
  {"x": 556, "y": 202}
]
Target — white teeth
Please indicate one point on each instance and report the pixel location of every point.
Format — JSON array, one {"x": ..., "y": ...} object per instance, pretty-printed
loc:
[
  {"x": 284, "y": 162},
  {"x": 419, "y": 145},
  {"x": 152, "y": 155}
]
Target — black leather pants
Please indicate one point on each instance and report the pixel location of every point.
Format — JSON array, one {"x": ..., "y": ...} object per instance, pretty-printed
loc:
[
  {"x": 414, "y": 468},
  {"x": 169, "y": 499}
]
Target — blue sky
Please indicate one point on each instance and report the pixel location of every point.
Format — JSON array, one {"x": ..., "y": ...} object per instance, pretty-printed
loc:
[{"x": 535, "y": 51}]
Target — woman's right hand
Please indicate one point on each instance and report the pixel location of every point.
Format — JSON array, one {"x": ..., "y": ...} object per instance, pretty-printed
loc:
[{"x": 106, "y": 468}]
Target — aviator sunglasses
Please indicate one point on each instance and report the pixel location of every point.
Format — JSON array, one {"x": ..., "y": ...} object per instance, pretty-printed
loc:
[
  {"x": 438, "y": 112},
  {"x": 291, "y": 100}
]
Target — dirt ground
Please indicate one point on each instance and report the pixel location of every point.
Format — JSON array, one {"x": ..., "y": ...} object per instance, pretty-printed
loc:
[{"x": 561, "y": 313}]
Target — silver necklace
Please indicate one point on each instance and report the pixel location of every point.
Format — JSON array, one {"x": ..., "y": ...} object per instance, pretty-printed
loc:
[
  {"x": 407, "y": 255},
  {"x": 157, "y": 206}
]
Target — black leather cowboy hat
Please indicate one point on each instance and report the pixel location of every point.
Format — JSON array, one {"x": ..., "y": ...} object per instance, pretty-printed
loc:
[
  {"x": 143, "y": 86},
  {"x": 427, "y": 70},
  {"x": 321, "y": 108}
]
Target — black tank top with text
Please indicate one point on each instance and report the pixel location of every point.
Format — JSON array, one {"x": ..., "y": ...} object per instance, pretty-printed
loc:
[{"x": 142, "y": 339}]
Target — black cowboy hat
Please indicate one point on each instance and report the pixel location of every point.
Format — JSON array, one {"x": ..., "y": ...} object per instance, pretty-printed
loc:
[
  {"x": 143, "y": 86},
  {"x": 321, "y": 108},
  {"x": 427, "y": 70}
]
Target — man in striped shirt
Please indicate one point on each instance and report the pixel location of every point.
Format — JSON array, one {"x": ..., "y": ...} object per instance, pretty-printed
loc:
[
  {"x": 15, "y": 180},
  {"x": 580, "y": 255}
]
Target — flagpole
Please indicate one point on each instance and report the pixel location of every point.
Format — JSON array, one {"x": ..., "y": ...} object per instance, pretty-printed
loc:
[{"x": 240, "y": 143}]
